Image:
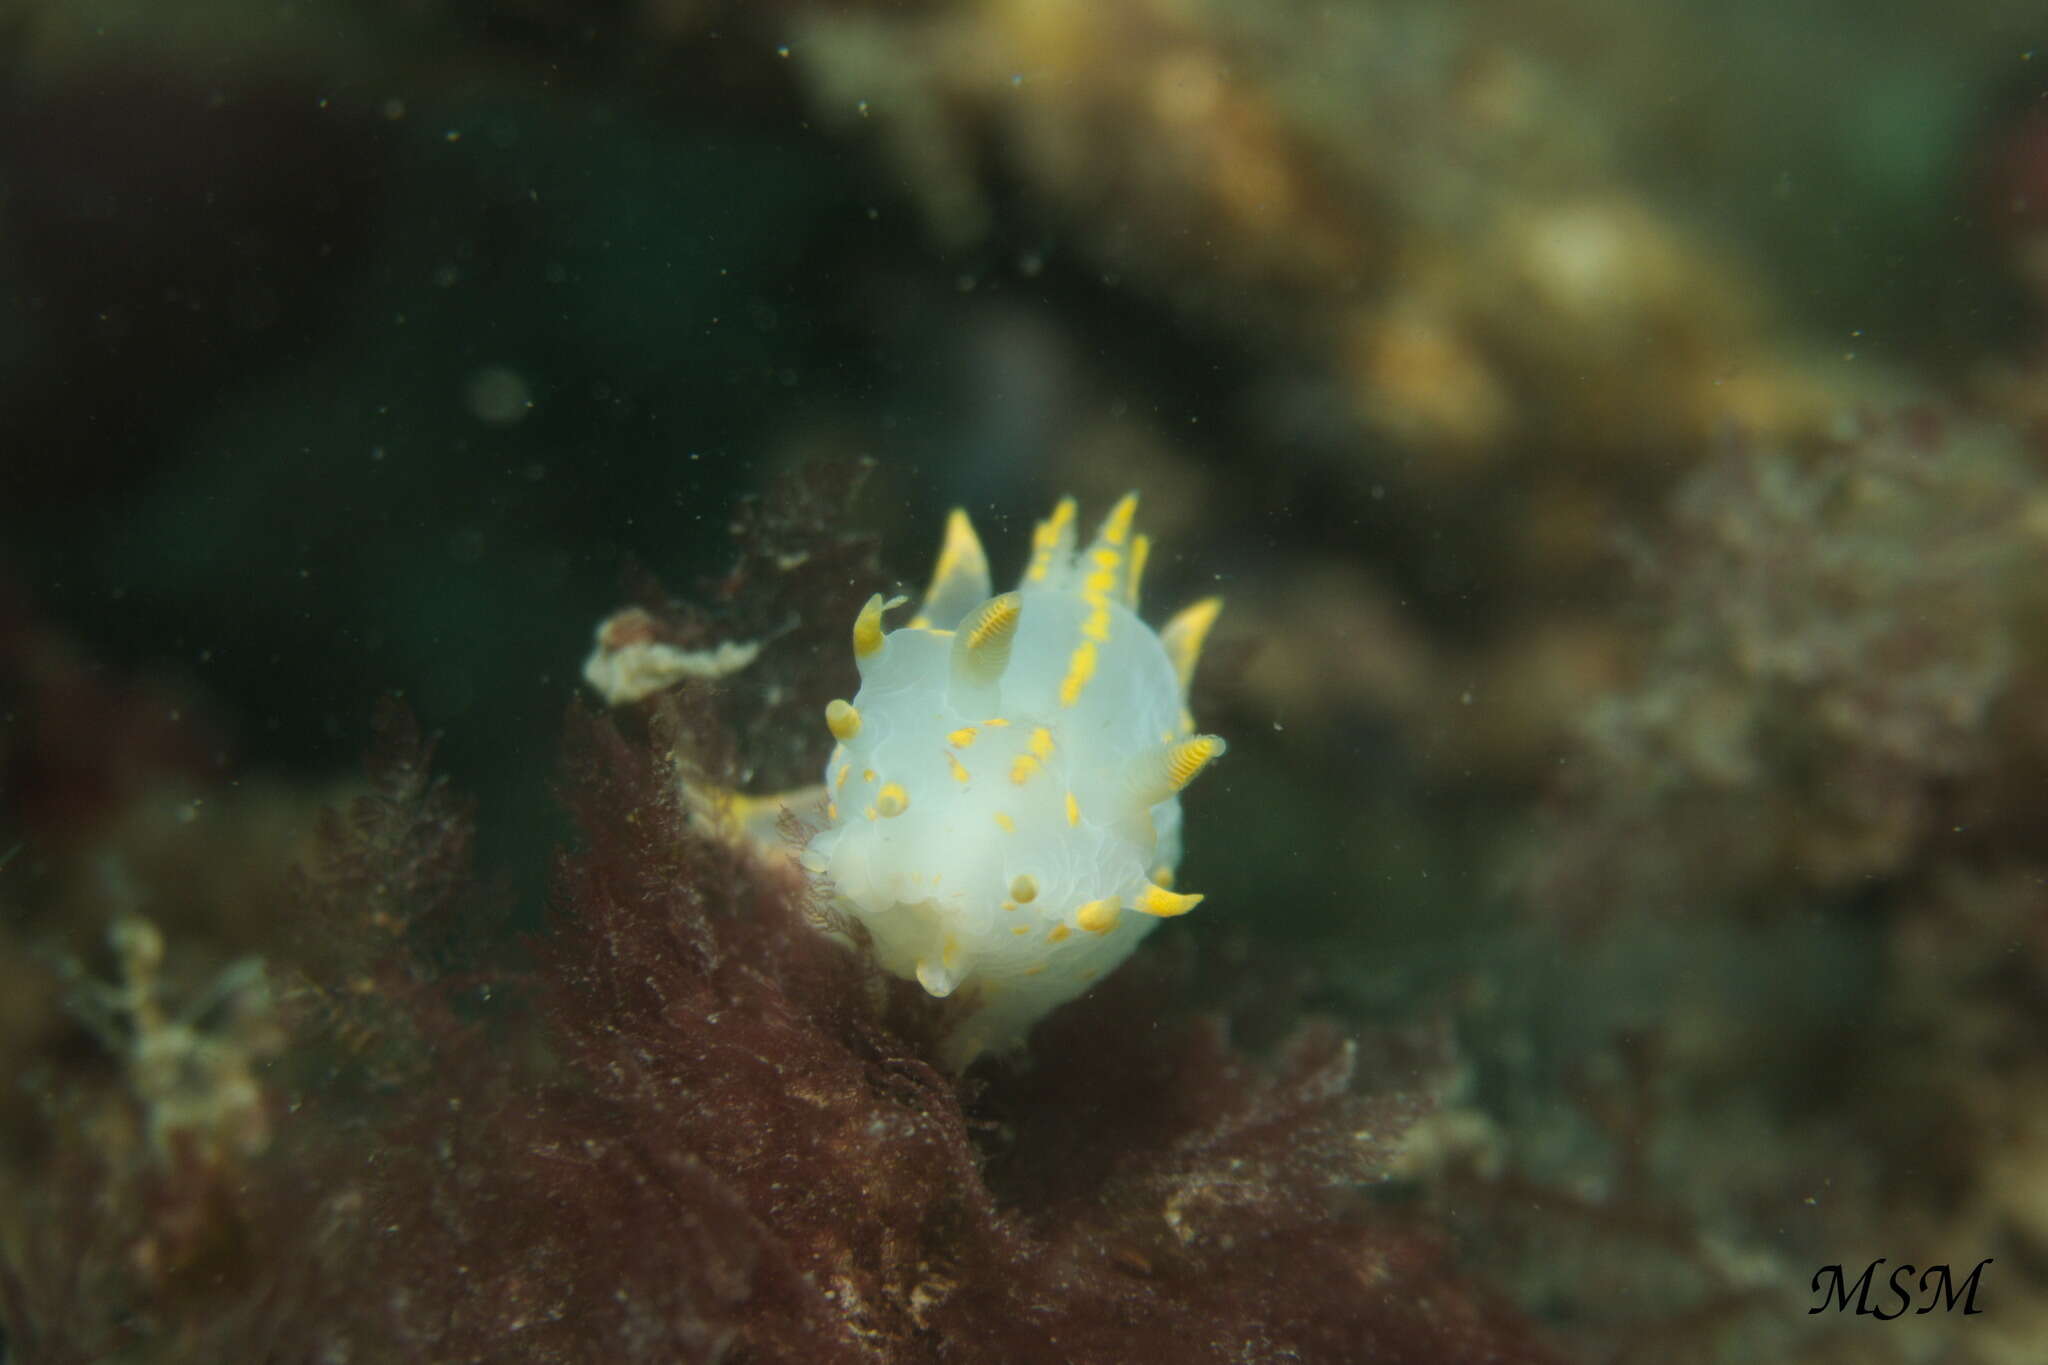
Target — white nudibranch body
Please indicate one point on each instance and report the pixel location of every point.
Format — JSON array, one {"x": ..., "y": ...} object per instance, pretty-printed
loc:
[{"x": 1002, "y": 808}]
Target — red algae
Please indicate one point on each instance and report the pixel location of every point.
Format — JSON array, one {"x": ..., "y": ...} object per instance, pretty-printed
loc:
[{"x": 686, "y": 1126}]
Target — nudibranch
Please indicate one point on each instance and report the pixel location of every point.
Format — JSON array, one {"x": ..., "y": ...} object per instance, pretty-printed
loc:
[{"x": 1002, "y": 806}]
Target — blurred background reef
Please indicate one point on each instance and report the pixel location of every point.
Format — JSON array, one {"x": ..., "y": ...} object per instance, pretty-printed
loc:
[{"x": 1620, "y": 432}]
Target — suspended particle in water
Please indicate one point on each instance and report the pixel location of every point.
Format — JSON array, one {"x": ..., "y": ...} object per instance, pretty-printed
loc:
[{"x": 497, "y": 396}]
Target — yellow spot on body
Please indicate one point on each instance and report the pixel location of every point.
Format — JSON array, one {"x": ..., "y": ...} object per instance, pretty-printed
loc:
[
  {"x": 842, "y": 718},
  {"x": 1073, "y": 811},
  {"x": 951, "y": 955},
  {"x": 1041, "y": 743},
  {"x": 1162, "y": 875},
  {"x": 1009, "y": 905},
  {"x": 1060, "y": 933},
  {"x": 1157, "y": 900},
  {"x": 1079, "y": 670},
  {"x": 891, "y": 801},
  {"x": 997, "y": 721},
  {"x": 1098, "y": 917},
  {"x": 1024, "y": 888},
  {"x": 962, "y": 737},
  {"x": 1022, "y": 768},
  {"x": 1106, "y": 558},
  {"x": 1099, "y": 584},
  {"x": 867, "y": 774},
  {"x": 959, "y": 771},
  {"x": 1033, "y": 971},
  {"x": 1096, "y": 627},
  {"x": 1021, "y": 930},
  {"x": 832, "y": 811},
  {"x": 1003, "y": 819},
  {"x": 845, "y": 771},
  {"x": 1141, "y": 551}
]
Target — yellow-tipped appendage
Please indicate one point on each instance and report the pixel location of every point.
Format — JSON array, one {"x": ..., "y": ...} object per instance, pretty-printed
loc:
[
  {"x": 1157, "y": 900},
  {"x": 1184, "y": 635},
  {"x": 1116, "y": 527},
  {"x": 1164, "y": 771},
  {"x": 1053, "y": 539},
  {"x": 1109, "y": 564},
  {"x": 867, "y": 629},
  {"x": 981, "y": 644},
  {"x": 1186, "y": 758},
  {"x": 842, "y": 718},
  {"x": 993, "y": 624},
  {"x": 959, "y": 579}
]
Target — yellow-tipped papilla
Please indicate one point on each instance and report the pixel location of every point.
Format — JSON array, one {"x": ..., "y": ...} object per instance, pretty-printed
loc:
[
  {"x": 1116, "y": 527},
  {"x": 1052, "y": 541},
  {"x": 1184, "y": 634},
  {"x": 959, "y": 579},
  {"x": 1141, "y": 553},
  {"x": 842, "y": 719},
  {"x": 1157, "y": 900},
  {"x": 867, "y": 629},
  {"x": 1106, "y": 566}
]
